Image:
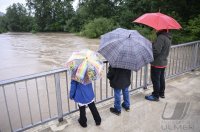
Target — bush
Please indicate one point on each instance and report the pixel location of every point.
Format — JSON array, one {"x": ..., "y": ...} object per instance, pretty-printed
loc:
[
  {"x": 181, "y": 36},
  {"x": 97, "y": 27},
  {"x": 146, "y": 32},
  {"x": 178, "y": 36},
  {"x": 190, "y": 31},
  {"x": 194, "y": 27},
  {"x": 74, "y": 24},
  {"x": 2, "y": 24},
  {"x": 56, "y": 26}
]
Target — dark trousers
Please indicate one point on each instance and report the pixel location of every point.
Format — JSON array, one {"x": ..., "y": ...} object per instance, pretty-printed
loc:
[
  {"x": 158, "y": 80},
  {"x": 93, "y": 110}
]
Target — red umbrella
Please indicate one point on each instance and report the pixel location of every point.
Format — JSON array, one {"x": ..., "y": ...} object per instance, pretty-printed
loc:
[{"x": 158, "y": 21}]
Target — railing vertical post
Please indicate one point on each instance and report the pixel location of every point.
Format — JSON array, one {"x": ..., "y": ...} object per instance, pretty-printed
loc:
[
  {"x": 106, "y": 80},
  {"x": 58, "y": 97},
  {"x": 195, "y": 56},
  {"x": 198, "y": 56},
  {"x": 145, "y": 76}
]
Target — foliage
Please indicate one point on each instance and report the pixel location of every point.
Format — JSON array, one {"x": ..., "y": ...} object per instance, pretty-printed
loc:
[
  {"x": 125, "y": 15},
  {"x": 2, "y": 24},
  {"x": 50, "y": 15},
  {"x": 97, "y": 8},
  {"x": 73, "y": 25},
  {"x": 76, "y": 23},
  {"x": 97, "y": 27},
  {"x": 59, "y": 15},
  {"x": 147, "y": 32},
  {"x": 17, "y": 19},
  {"x": 194, "y": 27}
]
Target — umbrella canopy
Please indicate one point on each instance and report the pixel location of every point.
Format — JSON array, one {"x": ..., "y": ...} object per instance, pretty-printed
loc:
[
  {"x": 126, "y": 49},
  {"x": 158, "y": 21},
  {"x": 85, "y": 66}
]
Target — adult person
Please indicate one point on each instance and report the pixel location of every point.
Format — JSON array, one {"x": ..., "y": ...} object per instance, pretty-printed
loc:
[
  {"x": 120, "y": 80},
  {"x": 161, "y": 49}
]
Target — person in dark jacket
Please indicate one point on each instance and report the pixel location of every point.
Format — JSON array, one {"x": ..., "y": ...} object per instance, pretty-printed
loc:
[
  {"x": 120, "y": 80},
  {"x": 84, "y": 95},
  {"x": 161, "y": 49}
]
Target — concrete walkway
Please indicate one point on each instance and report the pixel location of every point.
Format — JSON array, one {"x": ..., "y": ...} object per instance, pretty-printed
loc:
[{"x": 178, "y": 112}]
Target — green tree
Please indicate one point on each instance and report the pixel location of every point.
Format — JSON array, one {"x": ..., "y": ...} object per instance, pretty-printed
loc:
[
  {"x": 98, "y": 27},
  {"x": 17, "y": 18},
  {"x": 59, "y": 15},
  {"x": 74, "y": 24},
  {"x": 3, "y": 24},
  {"x": 194, "y": 27},
  {"x": 50, "y": 15},
  {"x": 42, "y": 12},
  {"x": 97, "y": 8}
]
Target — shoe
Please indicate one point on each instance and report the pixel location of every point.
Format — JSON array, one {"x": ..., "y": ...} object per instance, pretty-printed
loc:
[
  {"x": 115, "y": 111},
  {"x": 98, "y": 123},
  {"x": 151, "y": 98},
  {"x": 126, "y": 108},
  {"x": 81, "y": 123},
  {"x": 162, "y": 96}
]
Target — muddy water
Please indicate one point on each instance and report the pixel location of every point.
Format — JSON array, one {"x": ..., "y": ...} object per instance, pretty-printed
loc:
[
  {"x": 32, "y": 101},
  {"x": 27, "y": 53}
]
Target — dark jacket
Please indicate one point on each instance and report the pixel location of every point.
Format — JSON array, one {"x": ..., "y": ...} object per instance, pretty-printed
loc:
[
  {"x": 81, "y": 93},
  {"x": 161, "y": 49},
  {"x": 119, "y": 78}
]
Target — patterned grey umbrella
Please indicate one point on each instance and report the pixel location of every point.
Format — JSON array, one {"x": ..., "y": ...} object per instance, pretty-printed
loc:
[{"x": 126, "y": 49}]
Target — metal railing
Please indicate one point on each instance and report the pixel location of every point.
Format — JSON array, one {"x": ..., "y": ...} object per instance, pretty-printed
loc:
[{"x": 32, "y": 100}]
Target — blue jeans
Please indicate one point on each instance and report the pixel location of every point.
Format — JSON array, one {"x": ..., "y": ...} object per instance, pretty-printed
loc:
[{"x": 117, "y": 96}]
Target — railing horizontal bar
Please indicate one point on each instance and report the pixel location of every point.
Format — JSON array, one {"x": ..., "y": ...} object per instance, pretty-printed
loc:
[
  {"x": 73, "y": 111},
  {"x": 184, "y": 44},
  {"x": 32, "y": 76},
  {"x": 36, "y": 124}
]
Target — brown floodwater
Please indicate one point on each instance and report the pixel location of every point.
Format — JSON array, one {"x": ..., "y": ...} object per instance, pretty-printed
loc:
[
  {"x": 35, "y": 100},
  {"x": 26, "y": 53}
]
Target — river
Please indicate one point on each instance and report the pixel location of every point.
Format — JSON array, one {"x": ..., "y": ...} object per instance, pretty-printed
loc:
[{"x": 26, "y": 53}]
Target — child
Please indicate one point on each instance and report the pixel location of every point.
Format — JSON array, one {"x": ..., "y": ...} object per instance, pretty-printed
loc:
[
  {"x": 84, "y": 95},
  {"x": 120, "y": 80}
]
